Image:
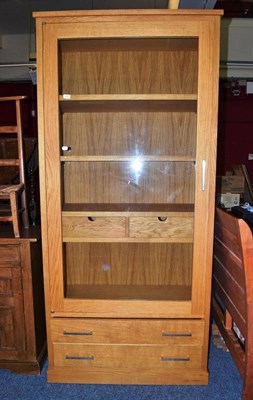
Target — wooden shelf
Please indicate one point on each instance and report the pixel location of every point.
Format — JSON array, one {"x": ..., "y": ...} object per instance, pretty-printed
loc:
[
  {"x": 75, "y": 209},
  {"x": 126, "y": 158},
  {"x": 128, "y": 102},
  {"x": 129, "y": 292},
  {"x": 126, "y": 44}
]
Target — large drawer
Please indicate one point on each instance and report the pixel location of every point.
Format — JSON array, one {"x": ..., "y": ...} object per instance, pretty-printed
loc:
[
  {"x": 120, "y": 356},
  {"x": 132, "y": 331},
  {"x": 9, "y": 255},
  {"x": 161, "y": 227},
  {"x": 94, "y": 227}
]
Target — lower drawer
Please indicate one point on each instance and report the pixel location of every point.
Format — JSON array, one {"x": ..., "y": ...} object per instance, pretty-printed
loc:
[
  {"x": 128, "y": 331},
  {"x": 126, "y": 356}
]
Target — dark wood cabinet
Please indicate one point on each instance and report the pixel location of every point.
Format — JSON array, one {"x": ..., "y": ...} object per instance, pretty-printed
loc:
[{"x": 22, "y": 316}]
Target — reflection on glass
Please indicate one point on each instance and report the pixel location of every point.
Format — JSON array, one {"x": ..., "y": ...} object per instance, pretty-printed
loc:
[{"x": 136, "y": 166}]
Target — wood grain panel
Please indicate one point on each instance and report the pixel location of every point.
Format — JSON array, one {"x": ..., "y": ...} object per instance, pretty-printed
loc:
[
  {"x": 228, "y": 304},
  {"x": 128, "y": 263},
  {"x": 122, "y": 182},
  {"x": 178, "y": 227},
  {"x": 8, "y": 348},
  {"x": 141, "y": 44},
  {"x": 12, "y": 324},
  {"x": 229, "y": 239},
  {"x": 123, "y": 331},
  {"x": 230, "y": 262},
  {"x": 128, "y": 355},
  {"x": 5, "y": 283},
  {"x": 231, "y": 289},
  {"x": 10, "y": 256},
  {"x": 129, "y": 292},
  {"x": 129, "y": 133},
  {"x": 129, "y": 71}
]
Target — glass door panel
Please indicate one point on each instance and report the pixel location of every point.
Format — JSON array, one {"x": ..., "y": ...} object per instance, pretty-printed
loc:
[
  {"x": 128, "y": 138},
  {"x": 131, "y": 271},
  {"x": 131, "y": 182},
  {"x": 149, "y": 129},
  {"x": 129, "y": 66}
]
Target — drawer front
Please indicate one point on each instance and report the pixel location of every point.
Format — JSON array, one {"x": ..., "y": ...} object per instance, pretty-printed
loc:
[
  {"x": 94, "y": 227},
  {"x": 166, "y": 332},
  {"x": 120, "y": 356},
  {"x": 9, "y": 255},
  {"x": 161, "y": 227}
]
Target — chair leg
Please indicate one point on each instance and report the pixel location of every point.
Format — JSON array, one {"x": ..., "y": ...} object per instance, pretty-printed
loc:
[
  {"x": 14, "y": 213},
  {"x": 25, "y": 217}
]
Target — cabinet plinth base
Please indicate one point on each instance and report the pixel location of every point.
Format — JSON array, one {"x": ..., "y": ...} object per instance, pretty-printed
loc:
[
  {"x": 26, "y": 367},
  {"x": 128, "y": 376}
]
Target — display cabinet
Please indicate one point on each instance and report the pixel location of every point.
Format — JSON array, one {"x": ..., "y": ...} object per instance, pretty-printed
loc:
[{"x": 127, "y": 135}]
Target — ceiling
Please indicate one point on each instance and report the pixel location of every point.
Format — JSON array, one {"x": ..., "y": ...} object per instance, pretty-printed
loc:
[{"x": 16, "y": 15}]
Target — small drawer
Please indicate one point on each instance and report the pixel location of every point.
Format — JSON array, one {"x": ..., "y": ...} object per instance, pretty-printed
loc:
[
  {"x": 132, "y": 331},
  {"x": 9, "y": 256},
  {"x": 94, "y": 227},
  {"x": 161, "y": 227},
  {"x": 126, "y": 356}
]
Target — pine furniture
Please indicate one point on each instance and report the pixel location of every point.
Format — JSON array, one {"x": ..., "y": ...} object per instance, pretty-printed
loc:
[{"x": 127, "y": 106}]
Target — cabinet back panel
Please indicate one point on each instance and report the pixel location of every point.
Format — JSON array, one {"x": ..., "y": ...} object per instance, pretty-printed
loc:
[
  {"x": 128, "y": 263},
  {"x": 130, "y": 133},
  {"x": 129, "y": 66},
  {"x": 128, "y": 182}
]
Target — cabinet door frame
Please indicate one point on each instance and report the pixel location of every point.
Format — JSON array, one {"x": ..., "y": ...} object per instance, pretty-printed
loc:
[{"x": 206, "y": 29}]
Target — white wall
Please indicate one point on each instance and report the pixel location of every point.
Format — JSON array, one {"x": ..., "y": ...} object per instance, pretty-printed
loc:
[
  {"x": 15, "y": 49},
  {"x": 237, "y": 48}
]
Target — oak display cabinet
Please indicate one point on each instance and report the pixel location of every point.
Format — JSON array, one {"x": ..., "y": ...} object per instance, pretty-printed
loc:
[{"x": 127, "y": 135}]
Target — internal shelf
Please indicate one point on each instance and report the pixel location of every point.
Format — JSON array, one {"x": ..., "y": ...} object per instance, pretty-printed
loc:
[
  {"x": 129, "y": 292},
  {"x": 128, "y": 102},
  {"x": 129, "y": 44},
  {"x": 179, "y": 158},
  {"x": 71, "y": 209}
]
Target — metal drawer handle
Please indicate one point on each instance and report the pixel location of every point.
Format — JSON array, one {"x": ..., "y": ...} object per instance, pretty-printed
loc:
[
  {"x": 175, "y": 358},
  {"x": 176, "y": 334},
  {"x": 87, "y": 333},
  {"x": 84, "y": 358}
]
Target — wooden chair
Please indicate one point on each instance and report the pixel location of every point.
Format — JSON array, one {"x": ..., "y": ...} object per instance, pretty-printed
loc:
[
  {"x": 15, "y": 194},
  {"x": 232, "y": 303}
]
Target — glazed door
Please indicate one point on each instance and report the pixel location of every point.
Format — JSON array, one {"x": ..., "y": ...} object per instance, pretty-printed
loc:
[{"x": 129, "y": 142}]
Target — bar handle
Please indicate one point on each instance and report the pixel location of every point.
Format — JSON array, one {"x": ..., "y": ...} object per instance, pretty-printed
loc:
[
  {"x": 84, "y": 358},
  {"x": 166, "y": 359},
  {"x": 85, "y": 333},
  {"x": 172, "y": 334}
]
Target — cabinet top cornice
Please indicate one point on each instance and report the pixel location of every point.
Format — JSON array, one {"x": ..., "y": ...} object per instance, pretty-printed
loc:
[{"x": 85, "y": 13}]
